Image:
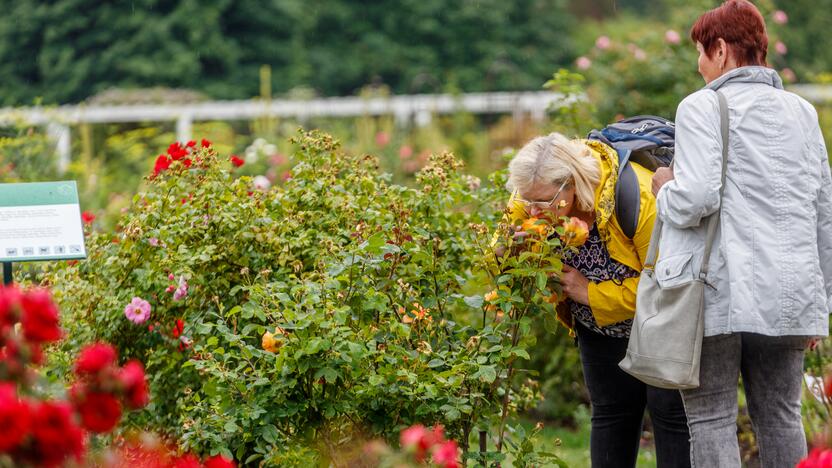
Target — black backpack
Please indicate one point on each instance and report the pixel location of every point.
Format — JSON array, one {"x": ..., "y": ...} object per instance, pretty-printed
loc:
[{"x": 645, "y": 139}]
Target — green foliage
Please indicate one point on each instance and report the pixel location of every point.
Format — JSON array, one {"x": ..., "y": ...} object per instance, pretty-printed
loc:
[
  {"x": 64, "y": 51},
  {"x": 370, "y": 292},
  {"x": 26, "y": 154}
]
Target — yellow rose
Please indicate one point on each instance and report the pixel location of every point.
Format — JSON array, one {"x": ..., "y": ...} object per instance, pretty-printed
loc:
[
  {"x": 516, "y": 212},
  {"x": 575, "y": 232}
]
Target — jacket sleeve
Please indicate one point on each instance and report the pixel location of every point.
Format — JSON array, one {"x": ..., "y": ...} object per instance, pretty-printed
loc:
[
  {"x": 614, "y": 301},
  {"x": 825, "y": 217},
  {"x": 694, "y": 192}
]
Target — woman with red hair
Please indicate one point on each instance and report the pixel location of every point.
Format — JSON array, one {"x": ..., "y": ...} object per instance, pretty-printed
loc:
[{"x": 770, "y": 276}]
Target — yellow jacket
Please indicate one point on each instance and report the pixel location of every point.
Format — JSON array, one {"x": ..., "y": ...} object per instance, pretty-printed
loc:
[{"x": 613, "y": 301}]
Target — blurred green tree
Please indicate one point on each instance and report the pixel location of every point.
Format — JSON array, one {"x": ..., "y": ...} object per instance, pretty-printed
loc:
[{"x": 66, "y": 50}]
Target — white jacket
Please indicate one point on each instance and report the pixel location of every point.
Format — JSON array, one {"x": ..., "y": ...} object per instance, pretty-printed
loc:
[{"x": 771, "y": 266}]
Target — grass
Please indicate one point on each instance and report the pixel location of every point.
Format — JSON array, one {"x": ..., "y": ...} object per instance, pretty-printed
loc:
[{"x": 574, "y": 444}]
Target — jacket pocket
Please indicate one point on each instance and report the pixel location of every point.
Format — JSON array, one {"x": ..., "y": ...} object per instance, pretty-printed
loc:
[{"x": 674, "y": 270}]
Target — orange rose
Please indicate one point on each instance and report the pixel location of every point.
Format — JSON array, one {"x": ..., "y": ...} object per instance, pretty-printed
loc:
[
  {"x": 491, "y": 296},
  {"x": 575, "y": 232},
  {"x": 270, "y": 343},
  {"x": 536, "y": 226}
]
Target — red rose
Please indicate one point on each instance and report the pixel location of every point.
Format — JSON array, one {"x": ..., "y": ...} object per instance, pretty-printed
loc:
[
  {"x": 9, "y": 307},
  {"x": 162, "y": 164},
  {"x": 206, "y": 143},
  {"x": 219, "y": 462},
  {"x": 187, "y": 162},
  {"x": 54, "y": 435},
  {"x": 94, "y": 358},
  {"x": 445, "y": 455},
  {"x": 40, "y": 317},
  {"x": 15, "y": 418},
  {"x": 178, "y": 328},
  {"x": 87, "y": 217},
  {"x": 100, "y": 412},
  {"x": 418, "y": 439},
  {"x": 237, "y": 162},
  {"x": 176, "y": 151},
  {"x": 185, "y": 461},
  {"x": 191, "y": 144},
  {"x": 135, "y": 384}
]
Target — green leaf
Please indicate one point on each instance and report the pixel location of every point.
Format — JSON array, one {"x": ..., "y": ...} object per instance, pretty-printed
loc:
[
  {"x": 329, "y": 374},
  {"x": 487, "y": 374},
  {"x": 474, "y": 301},
  {"x": 434, "y": 363}
]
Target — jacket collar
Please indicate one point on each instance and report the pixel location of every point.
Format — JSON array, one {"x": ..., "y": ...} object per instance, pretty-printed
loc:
[{"x": 751, "y": 74}]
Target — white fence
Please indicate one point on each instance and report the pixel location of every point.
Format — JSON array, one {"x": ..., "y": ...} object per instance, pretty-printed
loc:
[{"x": 417, "y": 109}]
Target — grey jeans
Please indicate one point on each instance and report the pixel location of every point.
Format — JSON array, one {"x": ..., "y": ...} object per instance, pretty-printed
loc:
[{"x": 772, "y": 375}]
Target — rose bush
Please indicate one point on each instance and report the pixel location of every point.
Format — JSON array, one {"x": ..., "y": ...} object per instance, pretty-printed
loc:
[{"x": 285, "y": 324}]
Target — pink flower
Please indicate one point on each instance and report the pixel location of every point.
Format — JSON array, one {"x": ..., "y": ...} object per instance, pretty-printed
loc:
[
  {"x": 780, "y": 48},
  {"x": 153, "y": 241},
  {"x": 788, "y": 75},
  {"x": 780, "y": 17},
  {"x": 382, "y": 139},
  {"x": 138, "y": 310},
  {"x": 405, "y": 152},
  {"x": 445, "y": 455},
  {"x": 171, "y": 277},
  {"x": 583, "y": 63},
  {"x": 672, "y": 37},
  {"x": 603, "y": 43},
  {"x": 182, "y": 290},
  {"x": 640, "y": 54}
]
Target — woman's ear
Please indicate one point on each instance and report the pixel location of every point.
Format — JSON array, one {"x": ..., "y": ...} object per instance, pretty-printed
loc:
[{"x": 722, "y": 53}]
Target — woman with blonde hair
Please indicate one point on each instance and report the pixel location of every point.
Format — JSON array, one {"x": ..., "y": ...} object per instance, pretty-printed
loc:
[{"x": 554, "y": 176}]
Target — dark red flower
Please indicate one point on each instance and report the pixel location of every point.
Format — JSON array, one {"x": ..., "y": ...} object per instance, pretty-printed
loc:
[
  {"x": 190, "y": 144},
  {"x": 40, "y": 317},
  {"x": 236, "y": 161},
  {"x": 94, "y": 358},
  {"x": 187, "y": 162},
  {"x": 176, "y": 151},
  {"x": 178, "y": 328},
  {"x": 185, "y": 461},
  {"x": 100, "y": 411},
  {"x": 162, "y": 164},
  {"x": 9, "y": 307},
  {"x": 219, "y": 461},
  {"x": 135, "y": 384},
  {"x": 87, "y": 217},
  {"x": 206, "y": 143},
  {"x": 15, "y": 418},
  {"x": 54, "y": 434}
]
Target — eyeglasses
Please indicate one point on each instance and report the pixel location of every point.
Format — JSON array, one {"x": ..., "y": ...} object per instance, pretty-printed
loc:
[{"x": 543, "y": 205}]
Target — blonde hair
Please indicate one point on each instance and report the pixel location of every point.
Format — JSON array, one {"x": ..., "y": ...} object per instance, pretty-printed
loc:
[{"x": 554, "y": 159}]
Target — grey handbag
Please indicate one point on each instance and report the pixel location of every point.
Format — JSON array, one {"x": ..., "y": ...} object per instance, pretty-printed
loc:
[{"x": 666, "y": 338}]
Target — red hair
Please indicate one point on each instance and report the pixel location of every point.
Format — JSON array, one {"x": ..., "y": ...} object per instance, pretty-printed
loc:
[{"x": 740, "y": 24}]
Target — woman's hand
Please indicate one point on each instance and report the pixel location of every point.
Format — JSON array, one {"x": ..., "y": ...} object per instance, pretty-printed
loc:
[
  {"x": 575, "y": 285},
  {"x": 662, "y": 176}
]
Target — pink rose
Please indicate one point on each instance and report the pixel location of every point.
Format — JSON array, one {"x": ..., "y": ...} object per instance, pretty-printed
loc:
[{"x": 138, "y": 310}]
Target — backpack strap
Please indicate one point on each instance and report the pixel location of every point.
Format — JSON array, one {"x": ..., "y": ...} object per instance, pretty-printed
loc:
[{"x": 627, "y": 199}]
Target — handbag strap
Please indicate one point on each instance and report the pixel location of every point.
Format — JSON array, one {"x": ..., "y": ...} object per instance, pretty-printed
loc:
[{"x": 713, "y": 220}]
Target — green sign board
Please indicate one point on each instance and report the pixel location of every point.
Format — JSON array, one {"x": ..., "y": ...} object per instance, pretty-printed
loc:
[{"x": 40, "y": 221}]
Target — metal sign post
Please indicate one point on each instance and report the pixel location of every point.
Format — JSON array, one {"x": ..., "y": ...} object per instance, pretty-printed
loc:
[{"x": 7, "y": 273}]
